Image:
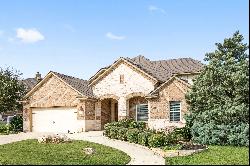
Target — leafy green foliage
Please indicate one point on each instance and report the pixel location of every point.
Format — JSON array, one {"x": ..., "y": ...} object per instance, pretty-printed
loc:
[
  {"x": 157, "y": 140},
  {"x": 219, "y": 98},
  {"x": 121, "y": 135},
  {"x": 3, "y": 129},
  {"x": 132, "y": 135},
  {"x": 116, "y": 130},
  {"x": 11, "y": 90},
  {"x": 17, "y": 123},
  {"x": 143, "y": 138}
]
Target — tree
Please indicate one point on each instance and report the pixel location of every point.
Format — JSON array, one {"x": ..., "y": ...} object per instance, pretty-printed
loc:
[
  {"x": 11, "y": 90},
  {"x": 219, "y": 99}
]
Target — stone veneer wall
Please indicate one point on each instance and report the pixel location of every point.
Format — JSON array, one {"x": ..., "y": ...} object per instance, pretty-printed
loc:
[
  {"x": 159, "y": 107},
  {"x": 55, "y": 93},
  {"x": 134, "y": 82}
]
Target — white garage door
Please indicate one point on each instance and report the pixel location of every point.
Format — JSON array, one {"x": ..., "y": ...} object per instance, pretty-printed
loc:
[{"x": 59, "y": 120}]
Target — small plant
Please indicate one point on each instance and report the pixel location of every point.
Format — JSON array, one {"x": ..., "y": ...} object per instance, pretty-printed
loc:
[
  {"x": 122, "y": 134},
  {"x": 16, "y": 124},
  {"x": 114, "y": 132},
  {"x": 3, "y": 129},
  {"x": 157, "y": 140},
  {"x": 132, "y": 135},
  {"x": 143, "y": 138}
]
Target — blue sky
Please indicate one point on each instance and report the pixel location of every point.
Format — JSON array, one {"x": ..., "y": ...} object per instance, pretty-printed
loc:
[{"x": 78, "y": 37}]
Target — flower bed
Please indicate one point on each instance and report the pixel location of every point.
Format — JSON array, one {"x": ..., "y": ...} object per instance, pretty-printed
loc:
[{"x": 171, "y": 141}]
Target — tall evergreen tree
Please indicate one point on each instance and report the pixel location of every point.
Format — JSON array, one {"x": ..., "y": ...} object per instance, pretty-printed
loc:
[{"x": 219, "y": 99}]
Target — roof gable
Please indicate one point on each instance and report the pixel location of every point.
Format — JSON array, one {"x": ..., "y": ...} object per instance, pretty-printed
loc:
[
  {"x": 115, "y": 64},
  {"x": 78, "y": 85},
  {"x": 154, "y": 93}
]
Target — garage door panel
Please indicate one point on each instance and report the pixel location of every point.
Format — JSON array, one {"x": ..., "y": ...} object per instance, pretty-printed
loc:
[{"x": 56, "y": 120}]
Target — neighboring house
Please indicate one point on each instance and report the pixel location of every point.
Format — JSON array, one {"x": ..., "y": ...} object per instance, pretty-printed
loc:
[
  {"x": 31, "y": 82},
  {"x": 150, "y": 91}
]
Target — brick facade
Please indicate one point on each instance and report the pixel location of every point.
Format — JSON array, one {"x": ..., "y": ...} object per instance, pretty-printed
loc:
[
  {"x": 56, "y": 93},
  {"x": 159, "y": 110}
]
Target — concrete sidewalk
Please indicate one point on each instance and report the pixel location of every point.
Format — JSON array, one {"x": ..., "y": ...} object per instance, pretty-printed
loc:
[{"x": 140, "y": 155}]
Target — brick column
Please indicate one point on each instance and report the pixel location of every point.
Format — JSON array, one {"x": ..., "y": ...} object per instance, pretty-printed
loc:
[{"x": 122, "y": 108}]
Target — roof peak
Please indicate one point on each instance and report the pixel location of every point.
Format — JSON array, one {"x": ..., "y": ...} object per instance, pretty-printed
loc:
[
  {"x": 140, "y": 58},
  {"x": 57, "y": 73}
]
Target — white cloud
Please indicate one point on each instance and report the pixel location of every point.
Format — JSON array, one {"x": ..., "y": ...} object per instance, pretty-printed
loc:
[
  {"x": 114, "y": 37},
  {"x": 29, "y": 35},
  {"x": 152, "y": 8}
]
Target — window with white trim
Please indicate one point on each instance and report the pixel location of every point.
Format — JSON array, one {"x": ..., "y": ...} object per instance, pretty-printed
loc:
[
  {"x": 141, "y": 112},
  {"x": 175, "y": 111}
]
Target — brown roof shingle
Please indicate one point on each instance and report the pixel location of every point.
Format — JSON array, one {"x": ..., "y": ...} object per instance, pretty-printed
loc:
[
  {"x": 162, "y": 70},
  {"x": 78, "y": 84}
]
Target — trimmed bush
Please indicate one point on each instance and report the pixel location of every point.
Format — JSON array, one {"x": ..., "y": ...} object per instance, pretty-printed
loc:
[
  {"x": 132, "y": 135},
  {"x": 125, "y": 123},
  {"x": 157, "y": 140},
  {"x": 143, "y": 138},
  {"x": 122, "y": 134},
  {"x": 141, "y": 125},
  {"x": 114, "y": 132},
  {"x": 3, "y": 128}
]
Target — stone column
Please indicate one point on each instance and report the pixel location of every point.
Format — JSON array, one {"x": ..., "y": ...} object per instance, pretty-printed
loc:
[
  {"x": 122, "y": 108},
  {"x": 112, "y": 110}
]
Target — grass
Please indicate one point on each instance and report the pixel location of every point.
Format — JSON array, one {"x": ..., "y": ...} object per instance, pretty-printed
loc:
[
  {"x": 32, "y": 152},
  {"x": 215, "y": 155}
]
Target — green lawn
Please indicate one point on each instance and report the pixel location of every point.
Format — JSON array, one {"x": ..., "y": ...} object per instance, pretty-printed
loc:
[
  {"x": 31, "y": 152},
  {"x": 215, "y": 155}
]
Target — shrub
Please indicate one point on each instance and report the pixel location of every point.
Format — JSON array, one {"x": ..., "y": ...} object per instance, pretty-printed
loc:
[
  {"x": 157, "y": 140},
  {"x": 143, "y": 138},
  {"x": 237, "y": 135},
  {"x": 3, "y": 128},
  {"x": 132, "y": 135},
  {"x": 114, "y": 132},
  {"x": 125, "y": 123},
  {"x": 122, "y": 134},
  {"x": 141, "y": 125},
  {"x": 17, "y": 123},
  {"x": 107, "y": 130}
]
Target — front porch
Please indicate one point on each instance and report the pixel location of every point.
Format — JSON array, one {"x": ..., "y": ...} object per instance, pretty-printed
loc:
[{"x": 131, "y": 107}]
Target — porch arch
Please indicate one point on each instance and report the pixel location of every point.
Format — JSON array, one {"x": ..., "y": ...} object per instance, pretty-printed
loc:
[{"x": 109, "y": 96}]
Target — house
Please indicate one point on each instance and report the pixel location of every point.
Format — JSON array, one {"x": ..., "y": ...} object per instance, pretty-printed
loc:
[{"x": 138, "y": 88}]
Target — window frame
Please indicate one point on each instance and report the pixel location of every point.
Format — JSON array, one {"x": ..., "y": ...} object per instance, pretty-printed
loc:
[
  {"x": 136, "y": 108},
  {"x": 174, "y": 111}
]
